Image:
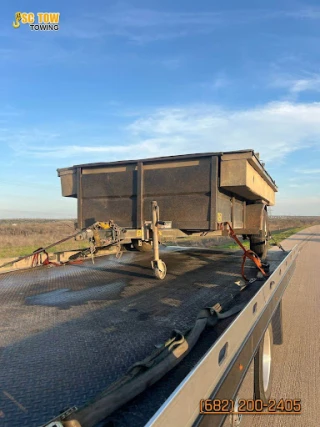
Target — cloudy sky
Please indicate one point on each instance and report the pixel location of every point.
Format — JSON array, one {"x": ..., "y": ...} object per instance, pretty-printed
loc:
[{"x": 136, "y": 79}]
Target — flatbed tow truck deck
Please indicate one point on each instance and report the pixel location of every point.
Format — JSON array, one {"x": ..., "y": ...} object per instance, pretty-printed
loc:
[{"x": 68, "y": 332}]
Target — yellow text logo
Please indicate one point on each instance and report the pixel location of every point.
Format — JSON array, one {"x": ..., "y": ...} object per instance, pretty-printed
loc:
[{"x": 41, "y": 21}]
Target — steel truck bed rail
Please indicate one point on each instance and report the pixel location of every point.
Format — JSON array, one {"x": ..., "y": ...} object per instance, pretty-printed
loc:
[{"x": 229, "y": 358}]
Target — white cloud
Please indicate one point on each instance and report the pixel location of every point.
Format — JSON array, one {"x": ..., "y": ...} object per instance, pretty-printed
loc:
[
  {"x": 21, "y": 139},
  {"x": 297, "y": 85},
  {"x": 303, "y": 85},
  {"x": 274, "y": 130},
  {"x": 86, "y": 153},
  {"x": 309, "y": 171}
]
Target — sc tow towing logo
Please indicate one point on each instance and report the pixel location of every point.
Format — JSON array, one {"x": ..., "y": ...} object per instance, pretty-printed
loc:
[{"x": 41, "y": 21}]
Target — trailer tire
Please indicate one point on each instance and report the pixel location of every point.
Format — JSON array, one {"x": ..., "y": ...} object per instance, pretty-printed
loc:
[
  {"x": 259, "y": 242},
  {"x": 263, "y": 367},
  {"x": 145, "y": 246},
  {"x": 161, "y": 270}
]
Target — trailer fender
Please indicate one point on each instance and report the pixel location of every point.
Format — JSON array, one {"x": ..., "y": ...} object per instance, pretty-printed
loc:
[
  {"x": 254, "y": 215},
  {"x": 259, "y": 240}
]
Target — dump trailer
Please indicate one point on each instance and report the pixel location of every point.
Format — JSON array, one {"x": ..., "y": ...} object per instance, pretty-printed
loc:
[{"x": 167, "y": 198}]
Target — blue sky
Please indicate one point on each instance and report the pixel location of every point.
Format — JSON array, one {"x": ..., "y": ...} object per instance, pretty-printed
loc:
[{"x": 136, "y": 79}]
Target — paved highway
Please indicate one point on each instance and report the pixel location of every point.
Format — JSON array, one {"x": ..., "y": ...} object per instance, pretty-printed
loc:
[{"x": 297, "y": 362}]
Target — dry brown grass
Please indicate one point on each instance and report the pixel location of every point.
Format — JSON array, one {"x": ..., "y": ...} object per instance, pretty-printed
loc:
[
  {"x": 21, "y": 237},
  {"x": 286, "y": 222},
  {"x": 280, "y": 227}
]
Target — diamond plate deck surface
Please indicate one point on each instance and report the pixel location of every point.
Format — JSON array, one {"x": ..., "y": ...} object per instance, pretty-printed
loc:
[{"x": 68, "y": 332}]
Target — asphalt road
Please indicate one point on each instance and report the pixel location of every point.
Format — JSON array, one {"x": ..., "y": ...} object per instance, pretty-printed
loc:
[{"x": 297, "y": 362}]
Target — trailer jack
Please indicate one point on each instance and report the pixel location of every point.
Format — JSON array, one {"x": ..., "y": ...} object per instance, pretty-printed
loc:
[
  {"x": 248, "y": 253},
  {"x": 158, "y": 266}
]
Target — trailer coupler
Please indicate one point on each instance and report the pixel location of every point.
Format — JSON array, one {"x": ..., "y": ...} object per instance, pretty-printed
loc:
[{"x": 248, "y": 253}]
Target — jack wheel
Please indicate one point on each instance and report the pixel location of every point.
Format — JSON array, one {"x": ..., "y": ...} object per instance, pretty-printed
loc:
[{"x": 161, "y": 270}]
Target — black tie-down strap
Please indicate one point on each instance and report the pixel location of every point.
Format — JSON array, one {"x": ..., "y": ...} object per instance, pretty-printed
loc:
[{"x": 143, "y": 374}]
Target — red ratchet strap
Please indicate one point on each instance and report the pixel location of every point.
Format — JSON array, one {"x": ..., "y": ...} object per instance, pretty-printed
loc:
[
  {"x": 36, "y": 260},
  {"x": 247, "y": 253}
]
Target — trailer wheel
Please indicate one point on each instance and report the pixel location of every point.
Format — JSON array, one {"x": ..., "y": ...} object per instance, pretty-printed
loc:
[
  {"x": 145, "y": 246},
  {"x": 259, "y": 242},
  {"x": 160, "y": 270},
  {"x": 263, "y": 367}
]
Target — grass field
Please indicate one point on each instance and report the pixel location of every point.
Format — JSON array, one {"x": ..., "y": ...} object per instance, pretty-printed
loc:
[
  {"x": 21, "y": 237},
  {"x": 277, "y": 235}
]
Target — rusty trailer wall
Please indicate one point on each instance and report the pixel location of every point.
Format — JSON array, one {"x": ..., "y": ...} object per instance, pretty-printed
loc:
[
  {"x": 183, "y": 191},
  {"x": 195, "y": 192}
]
